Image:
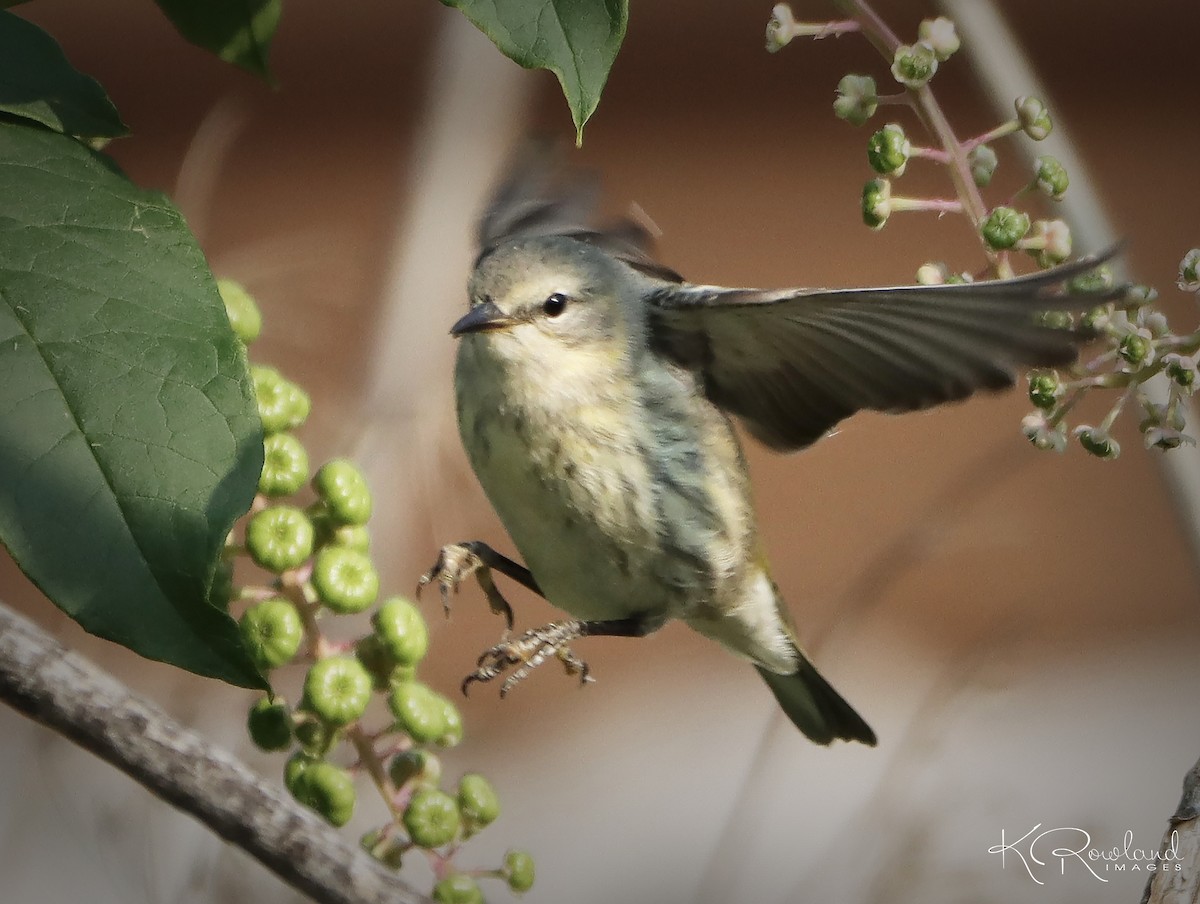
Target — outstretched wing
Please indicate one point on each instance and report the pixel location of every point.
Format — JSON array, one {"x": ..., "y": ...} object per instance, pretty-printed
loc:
[
  {"x": 539, "y": 195},
  {"x": 792, "y": 364}
]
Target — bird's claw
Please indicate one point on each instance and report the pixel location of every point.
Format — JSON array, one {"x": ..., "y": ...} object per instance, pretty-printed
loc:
[
  {"x": 526, "y": 653},
  {"x": 455, "y": 563}
]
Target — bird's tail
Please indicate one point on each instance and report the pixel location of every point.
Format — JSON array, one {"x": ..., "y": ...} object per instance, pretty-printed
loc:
[{"x": 815, "y": 707}]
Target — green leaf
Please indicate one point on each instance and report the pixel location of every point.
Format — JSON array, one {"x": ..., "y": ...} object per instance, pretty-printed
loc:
[
  {"x": 37, "y": 82},
  {"x": 577, "y": 40},
  {"x": 129, "y": 438},
  {"x": 237, "y": 31}
]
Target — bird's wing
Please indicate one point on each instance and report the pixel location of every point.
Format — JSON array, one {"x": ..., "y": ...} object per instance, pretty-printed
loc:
[
  {"x": 792, "y": 364},
  {"x": 539, "y": 196}
]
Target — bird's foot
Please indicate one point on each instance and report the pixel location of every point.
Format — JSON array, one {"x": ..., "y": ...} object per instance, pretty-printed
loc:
[
  {"x": 527, "y": 652},
  {"x": 455, "y": 563}
]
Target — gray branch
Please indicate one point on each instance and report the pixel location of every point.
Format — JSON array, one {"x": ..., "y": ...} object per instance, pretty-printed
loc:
[
  {"x": 62, "y": 690},
  {"x": 1181, "y": 842}
]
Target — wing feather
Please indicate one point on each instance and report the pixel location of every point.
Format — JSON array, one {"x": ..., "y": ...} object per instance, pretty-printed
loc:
[
  {"x": 792, "y": 364},
  {"x": 539, "y": 196}
]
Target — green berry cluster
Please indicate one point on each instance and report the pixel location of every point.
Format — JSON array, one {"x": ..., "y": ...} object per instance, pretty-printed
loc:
[
  {"x": 1139, "y": 342},
  {"x": 1139, "y": 345},
  {"x": 308, "y": 536},
  {"x": 972, "y": 162}
]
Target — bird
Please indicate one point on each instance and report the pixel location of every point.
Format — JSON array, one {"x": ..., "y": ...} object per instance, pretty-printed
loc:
[{"x": 596, "y": 393}]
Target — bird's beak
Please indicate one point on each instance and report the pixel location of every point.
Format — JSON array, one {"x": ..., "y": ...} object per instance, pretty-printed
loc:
[{"x": 481, "y": 318}]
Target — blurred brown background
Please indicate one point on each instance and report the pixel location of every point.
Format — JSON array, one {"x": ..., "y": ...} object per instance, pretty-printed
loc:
[{"x": 1019, "y": 627}]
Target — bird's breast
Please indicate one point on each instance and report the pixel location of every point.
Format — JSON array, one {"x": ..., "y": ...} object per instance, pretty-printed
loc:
[{"x": 606, "y": 490}]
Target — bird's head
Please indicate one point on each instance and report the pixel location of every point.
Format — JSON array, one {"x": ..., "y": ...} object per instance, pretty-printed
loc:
[{"x": 552, "y": 303}]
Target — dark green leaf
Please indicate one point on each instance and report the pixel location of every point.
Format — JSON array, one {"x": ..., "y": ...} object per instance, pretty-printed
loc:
[
  {"x": 37, "y": 82},
  {"x": 577, "y": 40},
  {"x": 237, "y": 31},
  {"x": 129, "y": 438}
]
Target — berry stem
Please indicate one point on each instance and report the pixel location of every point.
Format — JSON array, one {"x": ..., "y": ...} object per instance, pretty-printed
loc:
[
  {"x": 1006, "y": 128},
  {"x": 818, "y": 30},
  {"x": 370, "y": 761},
  {"x": 292, "y": 586},
  {"x": 935, "y": 154},
  {"x": 934, "y": 119},
  {"x": 939, "y": 205},
  {"x": 1110, "y": 418}
]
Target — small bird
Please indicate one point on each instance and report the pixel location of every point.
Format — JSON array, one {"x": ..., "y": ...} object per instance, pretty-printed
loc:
[{"x": 596, "y": 390}]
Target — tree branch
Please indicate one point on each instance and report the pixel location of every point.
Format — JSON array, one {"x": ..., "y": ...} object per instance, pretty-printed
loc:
[
  {"x": 1182, "y": 839},
  {"x": 62, "y": 690}
]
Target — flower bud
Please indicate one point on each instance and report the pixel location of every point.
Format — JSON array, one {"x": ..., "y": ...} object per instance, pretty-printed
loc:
[
  {"x": 453, "y": 734},
  {"x": 1054, "y": 237},
  {"x": 457, "y": 889},
  {"x": 432, "y": 818},
  {"x": 314, "y": 735},
  {"x": 1041, "y": 433},
  {"x": 932, "y": 273},
  {"x": 1095, "y": 320},
  {"x": 1154, "y": 321},
  {"x": 940, "y": 36},
  {"x": 343, "y": 489},
  {"x": 1098, "y": 443},
  {"x": 271, "y": 632},
  {"x": 1044, "y": 389},
  {"x": 1166, "y": 439},
  {"x": 1033, "y": 117},
  {"x": 351, "y": 536},
  {"x": 1092, "y": 282},
  {"x": 294, "y": 769},
  {"x": 856, "y": 100},
  {"x": 1189, "y": 271},
  {"x": 345, "y": 580},
  {"x": 1057, "y": 320},
  {"x": 1181, "y": 369},
  {"x": 876, "y": 202},
  {"x": 337, "y": 690},
  {"x": 888, "y": 150},
  {"x": 419, "y": 711},
  {"x": 282, "y": 405},
  {"x": 914, "y": 65},
  {"x": 1051, "y": 177},
  {"x": 1004, "y": 227},
  {"x": 1137, "y": 350},
  {"x": 1163, "y": 427},
  {"x": 518, "y": 869},
  {"x": 270, "y": 724},
  {"x": 401, "y": 629},
  {"x": 279, "y": 538},
  {"x": 299, "y": 406},
  {"x": 328, "y": 790},
  {"x": 1138, "y": 295},
  {"x": 477, "y": 801},
  {"x": 376, "y": 659},
  {"x": 285, "y": 465},
  {"x": 781, "y": 28},
  {"x": 241, "y": 309},
  {"x": 983, "y": 162},
  {"x": 415, "y": 765}
]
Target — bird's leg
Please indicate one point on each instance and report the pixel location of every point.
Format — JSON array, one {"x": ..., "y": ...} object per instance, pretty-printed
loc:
[
  {"x": 457, "y": 561},
  {"x": 532, "y": 648}
]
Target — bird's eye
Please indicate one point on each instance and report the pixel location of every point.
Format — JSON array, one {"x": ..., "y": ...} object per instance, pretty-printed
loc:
[{"x": 554, "y": 305}]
